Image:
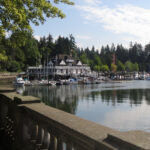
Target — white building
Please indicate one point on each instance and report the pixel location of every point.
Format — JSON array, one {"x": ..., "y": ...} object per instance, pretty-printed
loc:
[{"x": 62, "y": 65}]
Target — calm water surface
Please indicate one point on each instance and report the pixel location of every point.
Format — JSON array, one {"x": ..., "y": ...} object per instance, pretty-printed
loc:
[{"x": 123, "y": 106}]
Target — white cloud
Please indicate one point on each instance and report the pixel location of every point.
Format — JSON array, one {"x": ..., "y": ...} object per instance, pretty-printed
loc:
[
  {"x": 92, "y": 2},
  {"x": 37, "y": 37},
  {"x": 127, "y": 20}
]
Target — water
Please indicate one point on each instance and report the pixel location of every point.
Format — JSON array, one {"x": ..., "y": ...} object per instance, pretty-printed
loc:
[{"x": 123, "y": 106}]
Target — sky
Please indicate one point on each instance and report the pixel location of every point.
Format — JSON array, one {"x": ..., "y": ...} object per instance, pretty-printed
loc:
[{"x": 101, "y": 22}]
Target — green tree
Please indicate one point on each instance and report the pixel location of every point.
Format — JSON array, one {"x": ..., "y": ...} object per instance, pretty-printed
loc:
[
  {"x": 97, "y": 60},
  {"x": 3, "y": 59},
  {"x": 104, "y": 68},
  {"x": 32, "y": 54},
  {"x": 135, "y": 53},
  {"x": 3, "y": 56},
  {"x": 97, "y": 68},
  {"x": 46, "y": 47},
  {"x": 13, "y": 66},
  {"x": 122, "y": 54},
  {"x": 84, "y": 58},
  {"x": 135, "y": 67},
  {"x": 64, "y": 45},
  {"x": 113, "y": 67},
  {"x": 91, "y": 64},
  {"x": 120, "y": 66},
  {"x": 18, "y": 14},
  {"x": 129, "y": 66}
]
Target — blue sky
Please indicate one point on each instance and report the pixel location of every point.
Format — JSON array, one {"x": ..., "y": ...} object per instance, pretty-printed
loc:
[{"x": 101, "y": 22}]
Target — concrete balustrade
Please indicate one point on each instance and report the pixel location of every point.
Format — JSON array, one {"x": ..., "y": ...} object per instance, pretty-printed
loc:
[
  {"x": 4, "y": 76},
  {"x": 28, "y": 124}
]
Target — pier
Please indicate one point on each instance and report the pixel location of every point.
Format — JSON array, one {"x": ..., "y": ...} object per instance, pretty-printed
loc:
[{"x": 28, "y": 124}]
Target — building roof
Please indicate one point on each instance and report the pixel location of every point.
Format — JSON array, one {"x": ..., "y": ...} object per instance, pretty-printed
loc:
[{"x": 64, "y": 60}]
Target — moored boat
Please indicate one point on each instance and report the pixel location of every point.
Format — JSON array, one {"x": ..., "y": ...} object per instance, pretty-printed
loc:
[
  {"x": 27, "y": 82},
  {"x": 51, "y": 82},
  {"x": 18, "y": 81}
]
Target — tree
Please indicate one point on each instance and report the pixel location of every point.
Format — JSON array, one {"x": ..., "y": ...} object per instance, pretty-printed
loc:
[
  {"x": 104, "y": 68},
  {"x": 64, "y": 45},
  {"x": 135, "y": 52},
  {"x": 135, "y": 67},
  {"x": 3, "y": 58},
  {"x": 129, "y": 66},
  {"x": 113, "y": 67},
  {"x": 83, "y": 58},
  {"x": 122, "y": 54},
  {"x": 120, "y": 66},
  {"x": 13, "y": 66},
  {"x": 46, "y": 47},
  {"x": 97, "y": 68},
  {"x": 17, "y": 15},
  {"x": 97, "y": 60},
  {"x": 31, "y": 51},
  {"x": 106, "y": 55}
]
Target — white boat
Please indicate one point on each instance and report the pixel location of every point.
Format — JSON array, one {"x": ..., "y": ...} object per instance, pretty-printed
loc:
[
  {"x": 43, "y": 82},
  {"x": 27, "y": 83},
  {"x": 51, "y": 82},
  {"x": 18, "y": 81}
]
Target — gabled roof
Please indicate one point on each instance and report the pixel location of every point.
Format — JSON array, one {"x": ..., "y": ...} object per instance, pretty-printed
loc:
[
  {"x": 62, "y": 62},
  {"x": 65, "y": 60},
  {"x": 79, "y": 63}
]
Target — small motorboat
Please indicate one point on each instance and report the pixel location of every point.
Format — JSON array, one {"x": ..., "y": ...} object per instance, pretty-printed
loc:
[
  {"x": 43, "y": 82},
  {"x": 27, "y": 82},
  {"x": 18, "y": 81},
  {"x": 51, "y": 82}
]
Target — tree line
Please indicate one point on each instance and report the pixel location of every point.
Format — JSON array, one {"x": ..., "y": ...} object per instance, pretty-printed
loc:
[{"x": 21, "y": 50}]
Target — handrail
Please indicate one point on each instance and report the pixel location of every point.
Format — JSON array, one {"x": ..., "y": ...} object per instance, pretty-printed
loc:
[{"x": 32, "y": 125}]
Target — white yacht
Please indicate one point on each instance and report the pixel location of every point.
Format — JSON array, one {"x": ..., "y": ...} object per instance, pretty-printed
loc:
[{"x": 19, "y": 81}]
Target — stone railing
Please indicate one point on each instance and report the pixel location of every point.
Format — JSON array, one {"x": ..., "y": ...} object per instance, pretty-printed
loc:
[
  {"x": 8, "y": 75},
  {"x": 28, "y": 124}
]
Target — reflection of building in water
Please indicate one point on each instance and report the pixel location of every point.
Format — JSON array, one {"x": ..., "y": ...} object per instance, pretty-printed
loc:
[
  {"x": 67, "y": 97},
  {"x": 62, "y": 65},
  {"x": 62, "y": 97}
]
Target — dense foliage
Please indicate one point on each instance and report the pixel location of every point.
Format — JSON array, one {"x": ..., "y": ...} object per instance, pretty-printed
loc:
[
  {"x": 17, "y": 57},
  {"x": 18, "y": 14}
]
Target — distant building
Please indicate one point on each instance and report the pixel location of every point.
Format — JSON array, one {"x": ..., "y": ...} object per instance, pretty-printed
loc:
[{"x": 61, "y": 65}]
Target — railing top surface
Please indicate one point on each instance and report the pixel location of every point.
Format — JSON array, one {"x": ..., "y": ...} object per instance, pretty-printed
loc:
[
  {"x": 82, "y": 126},
  {"x": 17, "y": 98},
  {"x": 88, "y": 128},
  {"x": 138, "y": 138}
]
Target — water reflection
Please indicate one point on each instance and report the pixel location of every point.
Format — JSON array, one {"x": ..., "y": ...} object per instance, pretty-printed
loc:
[
  {"x": 110, "y": 104},
  {"x": 61, "y": 97},
  {"x": 133, "y": 96},
  {"x": 70, "y": 95}
]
